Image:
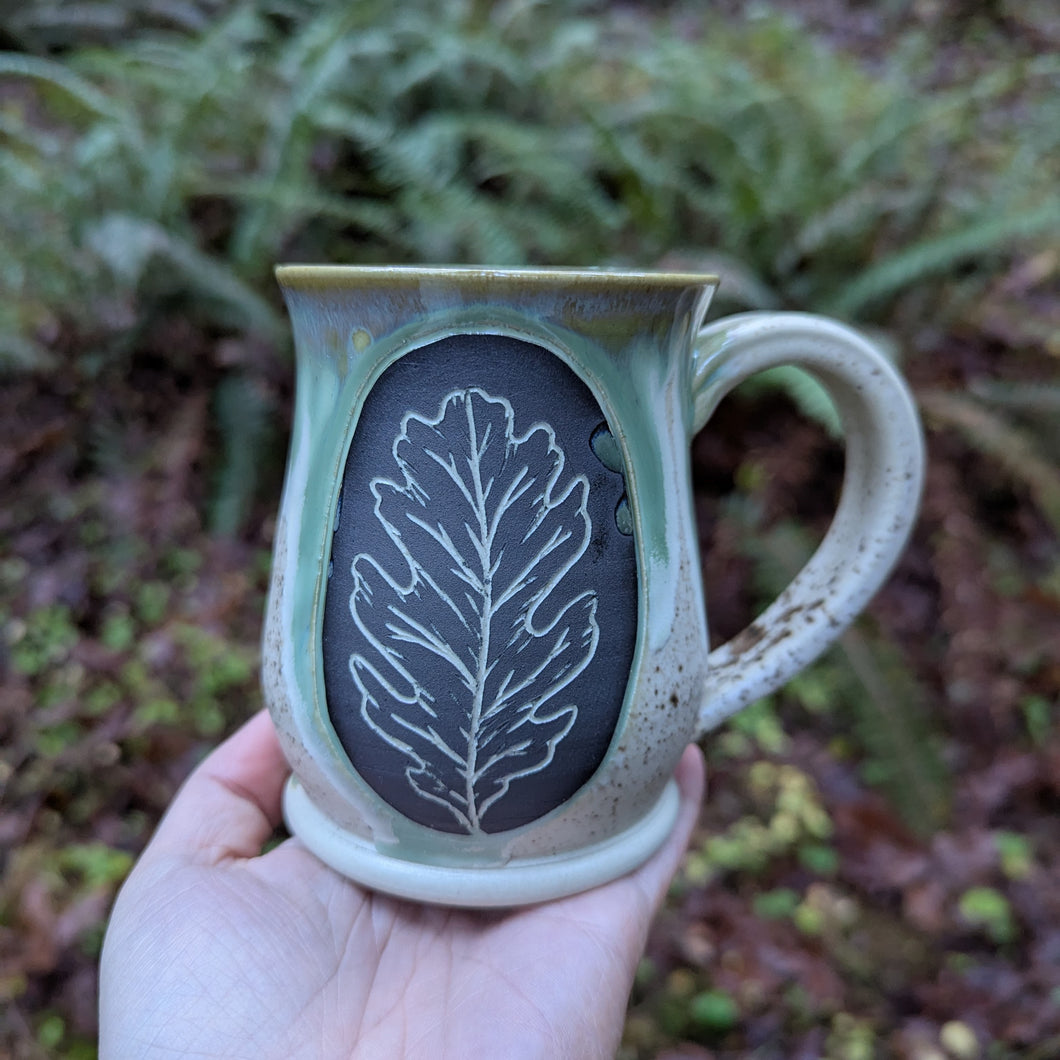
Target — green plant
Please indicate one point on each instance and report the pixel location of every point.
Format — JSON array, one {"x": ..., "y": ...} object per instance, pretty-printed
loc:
[
  {"x": 792, "y": 819},
  {"x": 714, "y": 1011},
  {"x": 1038, "y": 715},
  {"x": 217, "y": 669},
  {"x": 864, "y": 678},
  {"x": 755, "y": 727},
  {"x": 850, "y": 1039},
  {"x": 1016, "y": 451},
  {"x": 246, "y": 424},
  {"x": 154, "y": 166},
  {"x": 43, "y": 641},
  {"x": 988, "y": 910},
  {"x": 93, "y": 864},
  {"x": 1016, "y": 853}
]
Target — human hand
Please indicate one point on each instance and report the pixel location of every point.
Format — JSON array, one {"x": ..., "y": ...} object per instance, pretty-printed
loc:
[{"x": 217, "y": 950}]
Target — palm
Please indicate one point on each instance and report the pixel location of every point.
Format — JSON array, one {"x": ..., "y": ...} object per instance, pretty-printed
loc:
[{"x": 212, "y": 952}]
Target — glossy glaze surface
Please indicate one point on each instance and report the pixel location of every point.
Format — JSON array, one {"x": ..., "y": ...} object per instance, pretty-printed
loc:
[{"x": 631, "y": 342}]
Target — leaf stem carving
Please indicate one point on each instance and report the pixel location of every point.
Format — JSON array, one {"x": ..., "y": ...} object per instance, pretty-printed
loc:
[{"x": 456, "y": 670}]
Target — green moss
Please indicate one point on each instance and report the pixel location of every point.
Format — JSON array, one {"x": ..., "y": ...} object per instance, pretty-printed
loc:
[
  {"x": 714, "y": 1010},
  {"x": 43, "y": 641},
  {"x": 989, "y": 910}
]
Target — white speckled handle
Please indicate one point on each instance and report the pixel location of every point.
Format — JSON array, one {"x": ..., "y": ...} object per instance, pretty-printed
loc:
[{"x": 881, "y": 493}]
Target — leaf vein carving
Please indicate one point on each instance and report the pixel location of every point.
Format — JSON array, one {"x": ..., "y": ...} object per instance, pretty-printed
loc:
[{"x": 488, "y": 526}]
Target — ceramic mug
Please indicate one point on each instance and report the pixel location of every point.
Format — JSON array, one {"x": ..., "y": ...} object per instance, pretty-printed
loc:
[{"x": 486, "y": 639}]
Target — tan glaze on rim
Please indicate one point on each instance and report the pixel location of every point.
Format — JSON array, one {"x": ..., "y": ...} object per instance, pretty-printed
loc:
[{"x": 317, "y": 277}]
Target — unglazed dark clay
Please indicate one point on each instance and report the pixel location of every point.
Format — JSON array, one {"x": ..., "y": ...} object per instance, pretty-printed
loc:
[
  {"x": 486, "y": 641},
  {"x": 481, "y": 607}
]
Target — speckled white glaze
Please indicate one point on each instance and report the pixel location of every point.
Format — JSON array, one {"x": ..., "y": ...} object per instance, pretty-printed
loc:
[{"x": 635, "y": 339}]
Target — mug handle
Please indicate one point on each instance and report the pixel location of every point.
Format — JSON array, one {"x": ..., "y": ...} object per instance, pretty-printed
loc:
[{"x": 881, "y": 492}]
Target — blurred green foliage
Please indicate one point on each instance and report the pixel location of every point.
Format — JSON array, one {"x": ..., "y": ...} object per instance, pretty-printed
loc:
[
  {"x": 863, "y": 682},
  {"x": 158, "y": 154},
  {"x": 791, "y": 819},
  {"x": 989, "y": 910},
  {"x": 157, "y": 160}
]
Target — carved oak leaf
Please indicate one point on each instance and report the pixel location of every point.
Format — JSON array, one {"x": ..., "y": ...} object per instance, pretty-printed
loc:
[{"x": 468, "y": 648}]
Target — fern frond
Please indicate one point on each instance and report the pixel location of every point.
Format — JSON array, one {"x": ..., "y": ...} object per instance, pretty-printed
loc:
[
  {"x": 1020, "y": 397},
  {"x": 129, "y": 243},
  {"x": 890, "y": 710},
  {"x": 294, "y": 203},
  {"x": 58, "y": 76},
  {"x": 244, "y": 423},
  {"x": 876, "y": 689},
  {"x": 1014, "y": 450},
  {"x": 808, "y": 394},
  {"x": 941, "y": 254}
]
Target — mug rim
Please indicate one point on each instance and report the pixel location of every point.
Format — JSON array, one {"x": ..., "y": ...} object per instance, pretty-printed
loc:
[{"x": 314, "y": 277}]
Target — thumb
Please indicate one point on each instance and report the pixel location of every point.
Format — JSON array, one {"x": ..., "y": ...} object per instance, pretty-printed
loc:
[{"x": 230, "y": 805}]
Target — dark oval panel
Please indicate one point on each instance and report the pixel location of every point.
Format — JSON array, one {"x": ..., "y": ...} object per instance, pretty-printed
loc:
[{"x": 481, "y": 608}]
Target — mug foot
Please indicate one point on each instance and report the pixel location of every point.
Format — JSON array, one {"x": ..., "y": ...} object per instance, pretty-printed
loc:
[{"x": 522, "y": 881}]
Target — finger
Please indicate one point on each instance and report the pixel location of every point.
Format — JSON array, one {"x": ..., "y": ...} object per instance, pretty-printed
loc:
[
  {"x": 230, "y": 804},
  {"x": 655, "y": 875}
]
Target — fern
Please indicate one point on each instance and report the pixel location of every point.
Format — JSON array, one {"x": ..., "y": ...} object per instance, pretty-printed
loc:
[
  {"x": 311, "y": 67},
  {"x": 247, "y": 435},
  {"x": 1028, "y": 398},
  {"x": 942, "y": 254},
  {"x": 57, "y": 76},
  {"x": 869, "y": 683},
  {"x": 1014, "y": 450},
  {"x": 809, "y": 396},
  {"x": 510, "y": 133},
  {"x": 128, "y": 245},
  {"x": 890, "y": 710}
]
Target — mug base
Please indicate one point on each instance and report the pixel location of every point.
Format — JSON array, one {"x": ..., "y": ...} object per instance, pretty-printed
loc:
[{"x": 522, "y": 881}]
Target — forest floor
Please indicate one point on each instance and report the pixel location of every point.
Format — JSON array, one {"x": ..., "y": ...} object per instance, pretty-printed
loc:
[{"x": 832, "y": 917}]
